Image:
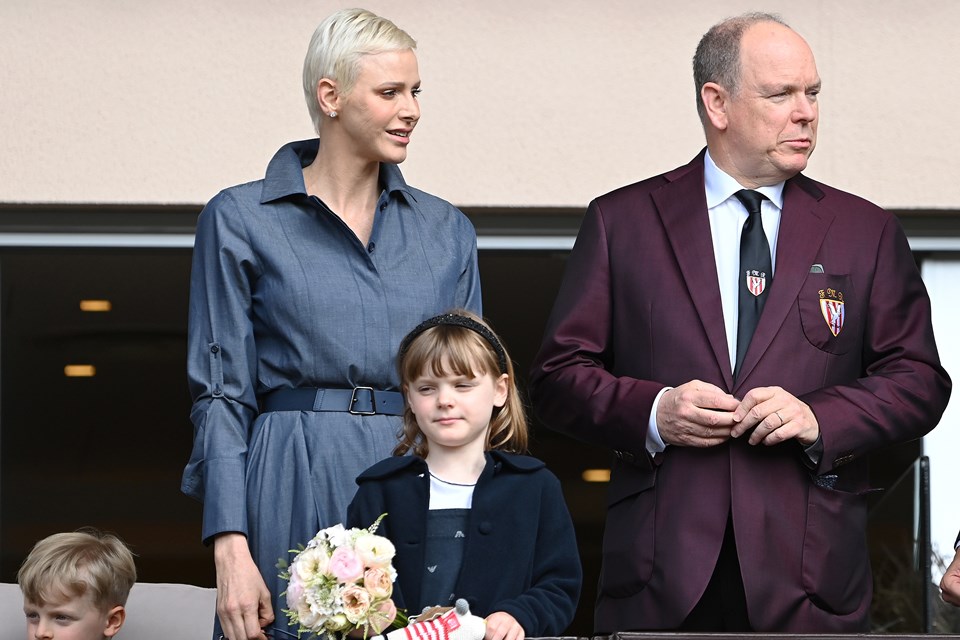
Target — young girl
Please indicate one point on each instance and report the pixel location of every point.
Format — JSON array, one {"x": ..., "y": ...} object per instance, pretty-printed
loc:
[{"x": 469, "y": 516}]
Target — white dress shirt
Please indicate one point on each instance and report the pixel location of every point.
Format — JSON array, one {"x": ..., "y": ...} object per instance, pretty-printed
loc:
[{"x": 727, "y": 216}]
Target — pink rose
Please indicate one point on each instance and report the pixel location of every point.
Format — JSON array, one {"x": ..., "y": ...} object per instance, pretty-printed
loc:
[
  {"x": 345, "y": 566},
  {"x": 378, "y": 583},
  {"x": 294, "y": 591},
  {"x": 356, "y": 603},
  {"x": 382, "y": 615}
]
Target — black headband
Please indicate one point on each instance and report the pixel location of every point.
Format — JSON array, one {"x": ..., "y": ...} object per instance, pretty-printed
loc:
[{"x": 457, "y": 320}]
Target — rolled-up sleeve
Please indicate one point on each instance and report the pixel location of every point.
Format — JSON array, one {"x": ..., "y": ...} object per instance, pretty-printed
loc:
[{"x": 221, "y": 366}]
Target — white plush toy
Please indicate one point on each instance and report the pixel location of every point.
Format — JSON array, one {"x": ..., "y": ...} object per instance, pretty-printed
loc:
[{"x": 437, "y": 623}]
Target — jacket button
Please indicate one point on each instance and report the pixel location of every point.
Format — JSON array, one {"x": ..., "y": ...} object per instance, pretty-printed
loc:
[
  {"x": 842, "y": 460},
  {"x": 486, "y": 527}
]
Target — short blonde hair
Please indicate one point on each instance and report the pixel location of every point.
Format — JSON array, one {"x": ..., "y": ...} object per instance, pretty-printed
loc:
[
  {"x": 450, "y": 341},
  {"x": 337, "y": 46},
  {"x": 75, "y": 564}
]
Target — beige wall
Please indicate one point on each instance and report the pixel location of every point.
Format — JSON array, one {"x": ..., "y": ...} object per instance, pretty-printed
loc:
[{"x": 526, "y": 102}]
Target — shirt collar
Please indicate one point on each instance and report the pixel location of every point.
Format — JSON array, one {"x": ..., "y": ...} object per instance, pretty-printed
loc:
[
  {"x": 284, "y": 175},
  {"x": 719, "y": 185}
]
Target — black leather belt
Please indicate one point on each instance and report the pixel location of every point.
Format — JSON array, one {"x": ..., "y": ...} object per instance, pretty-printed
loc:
[{"x": 362, "y": 401}]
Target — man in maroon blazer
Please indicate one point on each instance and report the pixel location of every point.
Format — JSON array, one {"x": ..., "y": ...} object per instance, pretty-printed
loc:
[{"x": 736, "y": 501}]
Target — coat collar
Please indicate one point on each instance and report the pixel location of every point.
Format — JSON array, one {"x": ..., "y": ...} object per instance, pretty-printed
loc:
[
  {"x": 681, "y": 204},
  {"x": 496, "y": 460}
]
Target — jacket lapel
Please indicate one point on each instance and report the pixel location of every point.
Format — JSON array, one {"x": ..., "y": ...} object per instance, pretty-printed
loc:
[
  {"x": 803, "y": 226},
  {"x": 682, "y": 206}
]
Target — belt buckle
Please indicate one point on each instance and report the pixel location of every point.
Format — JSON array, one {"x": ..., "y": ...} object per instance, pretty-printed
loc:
[{"x": 353, "y": 401}]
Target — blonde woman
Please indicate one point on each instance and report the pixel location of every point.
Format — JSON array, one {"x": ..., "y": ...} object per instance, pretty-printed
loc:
[{"x": 303, "y": 284}]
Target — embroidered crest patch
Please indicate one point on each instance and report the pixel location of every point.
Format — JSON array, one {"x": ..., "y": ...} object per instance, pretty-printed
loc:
[
  {"x": 756, "y": 281},
  {"x": 831, "y": 305}
]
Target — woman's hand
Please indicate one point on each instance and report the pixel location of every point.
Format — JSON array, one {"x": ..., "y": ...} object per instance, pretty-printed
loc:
[
  {"x": 503, "y": 626},
  {"x": 243, "y": 600}
]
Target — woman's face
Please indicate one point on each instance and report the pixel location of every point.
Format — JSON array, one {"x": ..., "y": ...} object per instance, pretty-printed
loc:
[{"x": 381, "y": 110}]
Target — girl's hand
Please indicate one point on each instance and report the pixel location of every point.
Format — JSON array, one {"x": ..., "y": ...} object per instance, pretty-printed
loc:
[
  {"x": 503, "y": 626},
  {"x": 243, "y": 600}
]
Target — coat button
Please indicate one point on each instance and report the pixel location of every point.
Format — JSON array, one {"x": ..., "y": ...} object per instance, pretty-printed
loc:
[{"x": 486, "y": 527}]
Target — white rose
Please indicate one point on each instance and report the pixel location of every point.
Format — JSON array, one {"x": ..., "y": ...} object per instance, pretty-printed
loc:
[
  {"x": 335, "y": 535},
  {"x": 337, "y": 622},
  {"x": 309, "y": 618},
  {"x": 374, "y": 551},
  {"x": 310, "y": 564}
]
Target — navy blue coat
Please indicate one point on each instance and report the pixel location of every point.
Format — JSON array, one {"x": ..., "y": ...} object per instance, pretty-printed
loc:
[{"x": 521, "y": 553}]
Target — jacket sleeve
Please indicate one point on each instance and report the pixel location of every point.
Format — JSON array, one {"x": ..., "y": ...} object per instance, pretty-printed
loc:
[
  {"x": 548, "y": 606},
  {"x": 221, "y": 366},
  {"x": 571, "y": 384},
  {"x": 903, "y": 390},
  {"x": 367, "y": 505}
]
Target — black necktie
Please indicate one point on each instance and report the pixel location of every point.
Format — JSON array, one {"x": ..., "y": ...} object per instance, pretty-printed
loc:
[{"x": 755, "y": 275}]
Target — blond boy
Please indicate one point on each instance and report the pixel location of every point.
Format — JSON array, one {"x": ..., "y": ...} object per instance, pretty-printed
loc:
[{"x": 75, "y": 586}]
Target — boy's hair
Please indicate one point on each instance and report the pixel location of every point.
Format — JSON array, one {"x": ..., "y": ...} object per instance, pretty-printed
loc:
[
  {"x": 74, "y": 564},
  {"x": 337, "y": 46},
  {"x": 467, "y": 352}
]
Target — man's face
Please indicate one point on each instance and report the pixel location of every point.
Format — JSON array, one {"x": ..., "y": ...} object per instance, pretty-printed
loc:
[{"x": 771, "y": 122}]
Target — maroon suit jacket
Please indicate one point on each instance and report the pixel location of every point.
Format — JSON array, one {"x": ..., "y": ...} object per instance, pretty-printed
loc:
[{"x": 639, "y": 309}]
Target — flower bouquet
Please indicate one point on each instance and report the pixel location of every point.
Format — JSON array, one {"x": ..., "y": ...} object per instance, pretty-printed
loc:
[{"x": 342, "y": 581}]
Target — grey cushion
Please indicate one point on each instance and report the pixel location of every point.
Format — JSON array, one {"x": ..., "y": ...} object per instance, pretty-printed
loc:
[{"x": 155, "y": 611}]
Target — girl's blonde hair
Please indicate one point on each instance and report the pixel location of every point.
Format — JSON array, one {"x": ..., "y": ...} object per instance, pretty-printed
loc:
[{"x": 464, "y": 343}]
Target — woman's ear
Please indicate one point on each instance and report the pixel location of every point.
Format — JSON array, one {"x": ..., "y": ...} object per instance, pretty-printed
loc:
[{"x": 328, "y": 96}]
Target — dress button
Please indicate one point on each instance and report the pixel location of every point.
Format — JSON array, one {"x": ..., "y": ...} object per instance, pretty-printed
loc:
[{"x": 486, "y": 527}]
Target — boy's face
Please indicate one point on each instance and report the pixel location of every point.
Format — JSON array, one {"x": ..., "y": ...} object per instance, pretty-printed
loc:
[{"x": 71, "y": 618}]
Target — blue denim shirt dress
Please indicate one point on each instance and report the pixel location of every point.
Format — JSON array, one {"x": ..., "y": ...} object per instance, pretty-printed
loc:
[{"x": 284, "y": 295}]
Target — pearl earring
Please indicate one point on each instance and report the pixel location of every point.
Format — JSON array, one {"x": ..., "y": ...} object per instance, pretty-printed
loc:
[{"x": 333, "y": 114}]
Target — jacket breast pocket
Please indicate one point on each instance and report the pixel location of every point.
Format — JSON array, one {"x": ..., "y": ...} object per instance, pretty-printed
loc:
[
  {"x": 829, "y": 312},
  {"x": 628, "y": 538}
]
